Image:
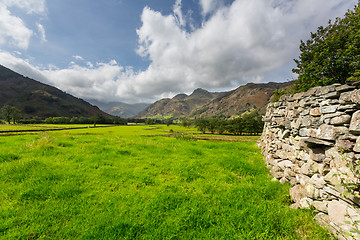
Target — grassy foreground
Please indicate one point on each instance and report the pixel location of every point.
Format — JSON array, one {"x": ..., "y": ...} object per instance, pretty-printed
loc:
[{"x": 114, "y": 183}]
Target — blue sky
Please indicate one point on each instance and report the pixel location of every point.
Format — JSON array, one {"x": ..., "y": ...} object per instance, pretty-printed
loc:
[{"x": 144, "y": 50}]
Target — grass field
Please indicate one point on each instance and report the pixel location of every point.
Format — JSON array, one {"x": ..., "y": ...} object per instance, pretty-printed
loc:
[{"x": 132, "y": 182}]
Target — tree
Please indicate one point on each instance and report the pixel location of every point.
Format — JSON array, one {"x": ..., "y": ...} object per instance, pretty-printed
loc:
[
  {"x": 331, "y": 55},
  {"x": 61, "y": 120},
  {"x": 6, "y": 112},
  {"x": 97, "y": 119},
  {"x": 168, "y": 122},
  {"x": 10, "y": 113},
  {"x": 202, "y": 124},
  {"x": 74, "y": 120},
  {"x": 236, "y": 126},
  {"x": 221, "y": 126},
  {"x": 49, "y": 120},
  {"x": 186, "y": 123},
  {"x": 149, "y": 121},
  {"x": 212, "y": 124},
  {"x": 16, "y": 114}
]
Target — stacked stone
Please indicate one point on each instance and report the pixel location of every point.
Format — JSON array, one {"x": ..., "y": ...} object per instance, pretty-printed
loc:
[{"x": 309, "y": 139}]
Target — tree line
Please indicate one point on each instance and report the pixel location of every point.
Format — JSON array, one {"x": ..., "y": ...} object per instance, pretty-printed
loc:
[
  {"x": 12, "y": 114},
  {"x": 98, "y": 119},
  {"x": 247, "y": 124}
]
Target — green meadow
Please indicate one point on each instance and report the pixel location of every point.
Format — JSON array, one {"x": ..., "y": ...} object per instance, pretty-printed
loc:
[{"x": 142, "y": 182}]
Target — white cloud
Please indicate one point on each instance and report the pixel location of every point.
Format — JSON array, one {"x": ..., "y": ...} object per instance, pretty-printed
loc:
[
  {"x": 178, "y": 13},
  {"x": 208, "y": 6},
  {"x": 22, "y": 66},
  {"x": 113, "y": 62},
  {"x": 245, "y": 41},
  {"x": 90, "y": 65},
  {"x": 237, "y": 43},
  {"x": 30, "y": 6},
  {"x": 13, "y": 30},
  {"x": 77, "y": 57},
  {"x": 41, "y": 31},
  {"x": 99, "y": 82}
]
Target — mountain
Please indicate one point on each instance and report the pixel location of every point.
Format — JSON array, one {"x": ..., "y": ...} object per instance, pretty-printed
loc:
[
  {"x": 37, "y": 99},
  {"x": 203, "y": 104},
  {"x": 120, "y": 109},
  {"x": 180, "y": 105},
  {"x": 252, "y": 96}
]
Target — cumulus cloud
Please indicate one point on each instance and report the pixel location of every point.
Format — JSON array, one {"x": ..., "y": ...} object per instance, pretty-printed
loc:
[
  {"x": 13, "y": 29},
  {"x": 99, "y": 82},
  {"x": 236, "y": 44},
  {"x": 208, "y": 6}
]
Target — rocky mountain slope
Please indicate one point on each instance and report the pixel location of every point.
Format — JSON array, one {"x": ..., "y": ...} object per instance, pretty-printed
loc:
[
  {"x": 203, "y": 104},
  {"x": 252, "y": 96},
  {"x": 37, "y": 99},
  {"x": 180, "y": 105},
  {"x": 120, "y": 109}
]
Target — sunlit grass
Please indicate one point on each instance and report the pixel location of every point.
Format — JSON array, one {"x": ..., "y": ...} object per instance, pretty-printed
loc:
[{"x": 131, "y": 182}]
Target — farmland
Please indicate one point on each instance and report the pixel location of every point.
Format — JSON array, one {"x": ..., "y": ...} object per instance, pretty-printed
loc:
[{"x": 142, "y": 182}]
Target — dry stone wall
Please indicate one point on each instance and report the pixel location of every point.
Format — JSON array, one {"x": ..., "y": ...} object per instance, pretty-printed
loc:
[{"x": 311, "y": 140}]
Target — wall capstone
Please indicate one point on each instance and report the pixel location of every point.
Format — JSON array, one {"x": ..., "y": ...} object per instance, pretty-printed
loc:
[{"x": 308, "y": 140}]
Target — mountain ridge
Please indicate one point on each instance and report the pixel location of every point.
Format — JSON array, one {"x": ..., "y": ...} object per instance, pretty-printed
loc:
[
  {"x": 179, "y": 105},
  {"x": 252, "y": 96}
]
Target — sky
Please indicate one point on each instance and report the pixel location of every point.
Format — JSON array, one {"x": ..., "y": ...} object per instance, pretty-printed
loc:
[{"x": 144, "y": 50}]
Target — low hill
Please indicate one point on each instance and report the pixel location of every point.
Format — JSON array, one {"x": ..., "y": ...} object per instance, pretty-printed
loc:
[
  {"x": 120, "y": 109},
  {"x": 180, "y": 105},
  {"x": 37, "y": 99},
  {"x": 204, "y": 104}
]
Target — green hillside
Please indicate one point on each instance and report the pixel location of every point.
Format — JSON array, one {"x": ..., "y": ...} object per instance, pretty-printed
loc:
[{"x": 37, "y": 99}]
